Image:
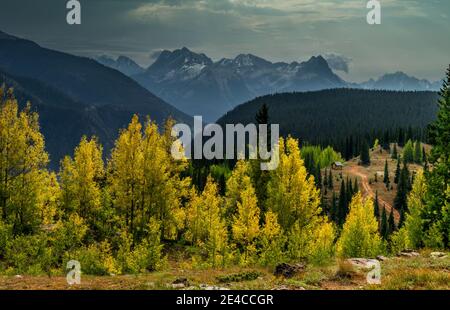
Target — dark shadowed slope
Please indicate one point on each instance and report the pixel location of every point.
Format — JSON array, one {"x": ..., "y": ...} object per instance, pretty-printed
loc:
[{"x": 76, "y": 95}]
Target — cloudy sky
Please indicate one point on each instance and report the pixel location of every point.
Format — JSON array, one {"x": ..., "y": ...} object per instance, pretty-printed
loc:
[{"x": 413, "y": 37}]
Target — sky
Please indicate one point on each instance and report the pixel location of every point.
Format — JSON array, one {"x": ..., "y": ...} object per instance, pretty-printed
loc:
[{"x": 413, "y": 36}]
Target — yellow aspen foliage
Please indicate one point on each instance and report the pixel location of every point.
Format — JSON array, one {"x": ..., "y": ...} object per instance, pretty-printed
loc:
[
  {"x": 126, "y": 173},
  {"x": 163, "y": 188},
  {"x": 236, "y": 183},
  {"x": 145, "y": 181},
  {"x": 292, "y": 195},
  {"x": 81, "y": 179},
  {"x": 51, "y": 198},
  {"x": 322, "y": 247},
  {"x": 23, "y": 161},
  {"x": 359, "y": 236},
  {"x": 205, "y": 227},
  {"x": 411, "y": 235},
  {"x": 245, "y": 226},
  {"x": 271, "y": 241}
]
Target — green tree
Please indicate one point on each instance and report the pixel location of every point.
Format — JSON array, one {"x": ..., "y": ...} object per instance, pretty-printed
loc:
[
  {"x": 82, "y": 179},
  {"x": 365, "y": 156},
  {"x": 23, "y": 162},
  {"x": 408, "y": 152},
  {"x": 418, "y": 152},
  {"x": 397, "y": 172},
  {"x": 386, "y": 179},
  {"x": 394, "y": 154},
  {"x": 436, "y": 215},
  {"x": 384, "y": 227},
  {"x": 391, "y": 223}
]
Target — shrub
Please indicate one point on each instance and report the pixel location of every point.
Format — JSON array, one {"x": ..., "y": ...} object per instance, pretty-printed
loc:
[
  {"x": 95, "y": 259},
  {"x": 239, "y": 277},
  {"x": 146, "y": 256},
  {"x": 29, "y": 254}
]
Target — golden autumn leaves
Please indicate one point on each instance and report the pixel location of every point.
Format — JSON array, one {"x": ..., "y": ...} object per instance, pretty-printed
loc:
[{"x": 119, "y": 210}]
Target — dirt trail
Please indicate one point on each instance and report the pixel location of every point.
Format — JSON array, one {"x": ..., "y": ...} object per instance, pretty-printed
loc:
[{"x": 355, "y": 170}]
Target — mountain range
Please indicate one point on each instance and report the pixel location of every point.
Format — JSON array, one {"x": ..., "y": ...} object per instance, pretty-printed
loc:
[
  {"x": 197, "y": 85},
  {"x": 76, "y": 95}
]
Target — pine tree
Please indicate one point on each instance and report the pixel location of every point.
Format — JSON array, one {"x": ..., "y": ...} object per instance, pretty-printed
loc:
[
  {"x": 365, "y": 156},
  {"x": 330, "y": 180},
  {"x": 391, "y": 223},
  {"x": 359, "y": 237},
  {"x": 437, "y": 210},
  {"x": 424, "y": 156},
  {"x": 318, "y": 176},
  {"x": 394, "y": 152},
  {"x": 402, "y": 189},
  {"x": 260, "y": 178},
  {"x": 355, "y": 186},
  {"x": 342, "y": 205},
  {"x": 384, "y": 228},
  {"x": 397, "y": 173},
  {"x": 262, "y": 116},
  {"x": 418, "y": 152},
  {"x": 334, "y": 210},
  {"x": 386, "y": 179},
  {"x": 401, "y": 137},
  {"x": 408, "y": 152},
  {"x": 376, "y": 207},
  {"x": 349, "y": 191}
]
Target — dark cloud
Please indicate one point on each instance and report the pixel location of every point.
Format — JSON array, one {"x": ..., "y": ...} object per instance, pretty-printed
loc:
[
  {"x": 279, "y": 30},
  {"x": 338, "y": 62}
]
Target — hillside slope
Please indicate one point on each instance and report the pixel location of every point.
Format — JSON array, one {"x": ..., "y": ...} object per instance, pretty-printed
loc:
[{"x": 323, "y": 117}]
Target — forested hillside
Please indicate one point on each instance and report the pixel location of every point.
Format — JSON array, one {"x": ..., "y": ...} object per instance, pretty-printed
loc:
[{"x": 343, "y": 118}]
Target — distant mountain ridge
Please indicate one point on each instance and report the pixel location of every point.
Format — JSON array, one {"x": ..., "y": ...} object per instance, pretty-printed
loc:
[
  {"x": 76, "y": 95},
  {"x": 123, "y": 64},
  {"x": 197, "y": 85}
]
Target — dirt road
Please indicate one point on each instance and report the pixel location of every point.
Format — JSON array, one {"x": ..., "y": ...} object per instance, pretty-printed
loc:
[{"x": 367, "y": 190}]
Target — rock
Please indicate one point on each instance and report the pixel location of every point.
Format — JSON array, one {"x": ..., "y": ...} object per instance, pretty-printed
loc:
[
  {"x": 288, "y": 270},
  {"x": 438, "y": 255},
  {"x": 408, "y": 254},
  {"x": 213, "y": 288},
  {"x": 180, "y": 283},
  {"x": 281, "y": 288},
  {"x": 364, "y": 263},
  {"x": 18, "y": 276},
  {"x": 382, "y": 258}
]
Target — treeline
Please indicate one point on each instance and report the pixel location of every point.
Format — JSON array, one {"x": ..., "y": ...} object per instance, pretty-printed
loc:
[{"x": 345, "y": 118}]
